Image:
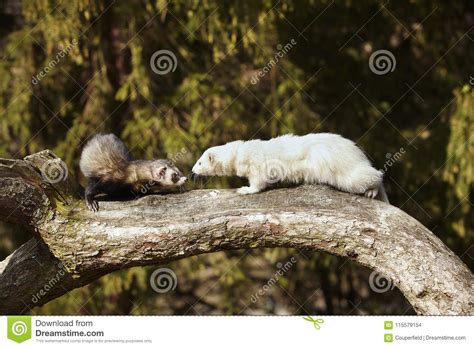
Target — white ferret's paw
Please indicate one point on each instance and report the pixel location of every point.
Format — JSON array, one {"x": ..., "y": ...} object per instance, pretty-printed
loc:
[
  {"x": 372, "y": 193},
  {"x": 246, "y": 190}
]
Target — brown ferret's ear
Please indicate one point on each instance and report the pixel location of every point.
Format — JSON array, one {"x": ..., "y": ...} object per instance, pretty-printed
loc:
[
  {"x": 162, "y": 172},
  {"x": 210, "y": 156}
]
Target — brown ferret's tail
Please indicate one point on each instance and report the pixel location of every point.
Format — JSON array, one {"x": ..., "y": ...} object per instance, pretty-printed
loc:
[{"x": 104, "y": 156}]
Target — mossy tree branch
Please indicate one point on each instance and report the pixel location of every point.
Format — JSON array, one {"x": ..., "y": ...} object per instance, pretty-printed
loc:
[{"x": 72, "y": 246}]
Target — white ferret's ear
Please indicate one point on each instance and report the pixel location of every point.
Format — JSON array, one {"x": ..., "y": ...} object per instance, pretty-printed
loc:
[{"x": 210, "y": 157}]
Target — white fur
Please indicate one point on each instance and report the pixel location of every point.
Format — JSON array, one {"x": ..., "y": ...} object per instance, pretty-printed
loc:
[{"x": 322, "y": 158}]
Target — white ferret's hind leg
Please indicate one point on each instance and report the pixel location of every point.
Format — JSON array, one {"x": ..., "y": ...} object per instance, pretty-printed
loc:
[
  {"x": 372, "y": 192},
  {"x": 364, "y": 180}
]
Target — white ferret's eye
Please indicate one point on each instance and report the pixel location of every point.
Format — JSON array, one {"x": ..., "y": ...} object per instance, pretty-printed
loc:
[{"x": 199, "y": 163}]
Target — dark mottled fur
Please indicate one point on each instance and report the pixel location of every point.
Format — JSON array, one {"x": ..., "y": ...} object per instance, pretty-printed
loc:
[{"x": 110, "y": 169}]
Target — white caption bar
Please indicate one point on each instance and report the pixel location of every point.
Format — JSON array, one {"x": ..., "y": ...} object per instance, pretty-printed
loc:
[{"x": 277, "y": 331}]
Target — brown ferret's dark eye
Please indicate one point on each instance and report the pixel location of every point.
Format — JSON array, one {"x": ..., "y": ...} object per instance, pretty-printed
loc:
[{"x": 175, "y": 177}]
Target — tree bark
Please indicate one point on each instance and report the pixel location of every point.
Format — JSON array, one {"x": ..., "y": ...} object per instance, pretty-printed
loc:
[{"x": 73, "y": 246}]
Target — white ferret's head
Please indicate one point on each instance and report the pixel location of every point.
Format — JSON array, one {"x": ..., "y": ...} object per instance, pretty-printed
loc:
[{"x": 217, "y": 160}]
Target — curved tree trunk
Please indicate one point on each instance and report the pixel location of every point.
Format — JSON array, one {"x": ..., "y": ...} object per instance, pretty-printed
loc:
[{"x": 73, "y": 246}]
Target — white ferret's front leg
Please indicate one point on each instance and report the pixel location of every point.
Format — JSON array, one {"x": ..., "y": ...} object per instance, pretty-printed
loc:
[
  {"x": 247, "y": 190},
  {"x": 256, "y": 185}
]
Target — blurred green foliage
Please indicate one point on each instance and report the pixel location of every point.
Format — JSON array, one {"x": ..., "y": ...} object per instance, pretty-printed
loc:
[{"x": 323, "y": 83}]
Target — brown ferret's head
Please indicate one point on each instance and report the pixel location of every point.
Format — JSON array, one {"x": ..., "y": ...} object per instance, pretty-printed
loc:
[{"x": 166, "y": 174}]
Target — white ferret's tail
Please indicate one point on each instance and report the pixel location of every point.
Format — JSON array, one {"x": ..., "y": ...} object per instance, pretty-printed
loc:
[{"x": 382, "y": 195}]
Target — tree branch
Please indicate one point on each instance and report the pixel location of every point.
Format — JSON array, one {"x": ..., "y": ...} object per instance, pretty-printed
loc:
[{"x": 160, "y": 228}]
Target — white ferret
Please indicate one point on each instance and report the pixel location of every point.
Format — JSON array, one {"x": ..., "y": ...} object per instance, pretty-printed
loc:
[{"x": 322, "y": 158}]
